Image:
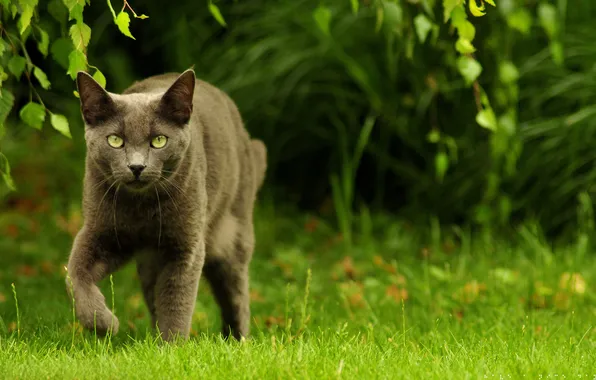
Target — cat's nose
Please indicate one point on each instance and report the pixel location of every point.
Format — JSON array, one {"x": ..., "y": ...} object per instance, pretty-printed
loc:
[{"x": 136, "y": 170}]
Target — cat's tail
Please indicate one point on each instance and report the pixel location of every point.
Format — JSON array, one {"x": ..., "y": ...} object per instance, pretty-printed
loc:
[{"x": 260, "y": 160}]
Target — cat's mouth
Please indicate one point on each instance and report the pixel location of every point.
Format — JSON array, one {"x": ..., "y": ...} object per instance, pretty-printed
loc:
[{"x": 137, "y": 185}]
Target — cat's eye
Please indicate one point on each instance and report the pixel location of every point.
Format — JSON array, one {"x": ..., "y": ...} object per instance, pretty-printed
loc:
[
  {"x": 159, "y": 142},
  {"x": 115, "y": 141}
]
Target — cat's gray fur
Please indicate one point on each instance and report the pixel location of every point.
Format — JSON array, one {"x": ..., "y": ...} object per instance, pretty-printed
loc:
[{"x": 192, "y": 214}]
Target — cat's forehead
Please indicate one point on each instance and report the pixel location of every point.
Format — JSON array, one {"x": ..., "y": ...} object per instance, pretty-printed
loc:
[{"x": 137, "y": 112}]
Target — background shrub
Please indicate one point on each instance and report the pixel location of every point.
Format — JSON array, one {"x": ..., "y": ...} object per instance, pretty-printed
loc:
[{"x": 361, "y": 103}]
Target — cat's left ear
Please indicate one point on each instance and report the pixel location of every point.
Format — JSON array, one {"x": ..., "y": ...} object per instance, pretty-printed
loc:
[{"x": 176, "y": 103}]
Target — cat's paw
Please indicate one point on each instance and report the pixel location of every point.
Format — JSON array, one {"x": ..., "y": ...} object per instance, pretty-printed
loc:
[{"x": 103, "y": 322}]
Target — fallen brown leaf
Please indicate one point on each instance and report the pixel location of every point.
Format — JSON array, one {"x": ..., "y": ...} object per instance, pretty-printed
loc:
[
  {"x": 12, "y": 231},
  {"x": 311, "y": 225},
  {"x": 398, "y": 294},
  {"x": 255, "y": 296},
  {"x": 272, "y": 320},
  {"x": 26, "y": 271},
  {"x": 470, "y": 291},
  {"x": 131, "y": 325},
  {"x": 348, "y": 267},
  {"x": 458, "y": 314},
  {"x": 2, "y": 298},
  {"x": 538, "y": 301},
  {"x": 48, "y": 267},
  {"x": 354, "y": 293}
]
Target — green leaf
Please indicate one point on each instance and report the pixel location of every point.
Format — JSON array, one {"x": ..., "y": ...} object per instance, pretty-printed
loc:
[
  {"x": 100, "y": 78},
  {"x": 469, "y": 68},
  {"x": 547, "y": 14},
  {"x": 3, "y": 75},
  {"x": 25, "y": 19},
  {"x": 123, "y": 22},
  {"x": 44, "y": 42},
  {"x": 434, "y": 136},
  {"x": 487, "y": 119},
  {"x": 16, "y": 65},
  {"x": 215, "y": 12},
  {"x": 60, "y": 123},
  {"x": 75, "y": 9},
  {"x": 2, "y": 47},
  {"x": 355, "y": 6},
  {"x": 322, "y": 16},
  {"x": 392, "y": 16},
  {"x": 504, "y": 275},
  {"x": 6, "y": 104},
  {"x": 438, "y": 273},
  {"x": 466, "y": 30},
  {"x": 441, "y": 165},
  {"x": 5, "y": 171},
  {"x": 58, "y": 11},
  {"x": 520, "y": 20},
  {"x": 464, "y": 46},
  {"x": 33, "y": 114},
  {"x": 80, "y": 33},
  {"x": 42, "y": 78},
  {"x": 449, "y": 6},
  {"x": 423, "y": 26},
  {"x": 77, "y": 61},
  {"x": 556, "y": 50},
  {"x": 508, "y": 73},
  {"x": 60, "y": 50}
]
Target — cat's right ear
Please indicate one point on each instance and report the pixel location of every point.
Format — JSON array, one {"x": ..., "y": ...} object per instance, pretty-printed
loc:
[{"x": 96, "y": 104}]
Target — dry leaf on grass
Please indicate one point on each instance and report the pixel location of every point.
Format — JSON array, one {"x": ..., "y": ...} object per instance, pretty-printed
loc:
[
  {"x": 396, "y": 293},
  {"x": 255, "y": 296},
  {"x": 48, "y": 267},
  {"x": 354, "y": 293},
  {"x": 274, "y": 321},
  {"x": 26, "y": 271},
  {"x": 72, "y": 223},
  {"x": 2, "y": 298},
  {"x": 311, "y": 225},
  {"x": 381, "y": 263},
  {"x": 470, "y": 292}
]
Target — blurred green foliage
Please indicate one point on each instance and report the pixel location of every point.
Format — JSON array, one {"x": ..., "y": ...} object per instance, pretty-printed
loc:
[{"x": 415, "y": 106}]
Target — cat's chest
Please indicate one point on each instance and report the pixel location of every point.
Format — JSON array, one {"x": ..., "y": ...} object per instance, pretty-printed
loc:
[{"x": 141, "y": 224}]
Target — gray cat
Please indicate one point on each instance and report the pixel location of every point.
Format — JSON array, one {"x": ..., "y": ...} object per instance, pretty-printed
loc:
[{"x": 171, "y": 179}]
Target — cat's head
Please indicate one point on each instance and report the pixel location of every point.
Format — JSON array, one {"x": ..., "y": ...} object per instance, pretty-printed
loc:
[{"x": 137, "y": 140}]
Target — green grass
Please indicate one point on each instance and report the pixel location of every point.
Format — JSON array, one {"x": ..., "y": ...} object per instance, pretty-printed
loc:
[{"x": 475, "y": 306}]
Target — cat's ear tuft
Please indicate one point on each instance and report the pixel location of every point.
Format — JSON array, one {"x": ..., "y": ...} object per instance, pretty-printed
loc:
[
  {"x": 176, "y": 103},
  {"x": 96, "y": 104}
]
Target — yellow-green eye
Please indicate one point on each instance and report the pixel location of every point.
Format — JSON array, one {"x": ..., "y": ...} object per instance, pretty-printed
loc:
[
  {"x": 115, "y": 141},
  {"x": 159, "y": 142}
]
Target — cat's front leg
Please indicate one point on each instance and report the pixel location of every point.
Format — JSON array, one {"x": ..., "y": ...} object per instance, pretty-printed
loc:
[
  {"x": 176, "y": 292},
  {"x": 90, "y": 261}
]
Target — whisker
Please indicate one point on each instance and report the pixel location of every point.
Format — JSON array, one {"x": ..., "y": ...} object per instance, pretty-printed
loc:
[
  {"x": 115, "y": 222},
  {"x": 98, "y": 209},
  {"x": 175, "y": 186},
  {"x": 103, "y": 181},
  {"x": 159, "y": 208},
  {"x": 169, "y": 195}
]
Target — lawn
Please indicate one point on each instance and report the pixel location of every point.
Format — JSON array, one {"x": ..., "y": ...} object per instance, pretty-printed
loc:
[{"x": 401, "y": 302}]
